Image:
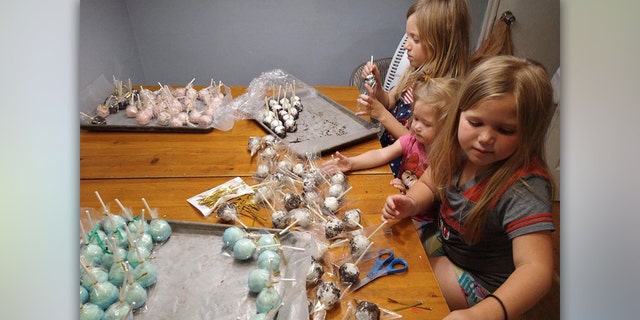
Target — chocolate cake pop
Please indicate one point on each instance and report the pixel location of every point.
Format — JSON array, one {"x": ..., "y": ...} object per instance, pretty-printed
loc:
[{"x": 367, "y": 311}]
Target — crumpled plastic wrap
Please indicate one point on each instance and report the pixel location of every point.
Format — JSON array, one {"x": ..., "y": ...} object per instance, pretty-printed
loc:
[
  {"x": 200, "y": 279},
  {"x": 250, "y": 105}
]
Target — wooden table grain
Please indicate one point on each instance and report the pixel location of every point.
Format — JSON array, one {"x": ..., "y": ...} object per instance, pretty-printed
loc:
[{"x": 168, "y": 168}]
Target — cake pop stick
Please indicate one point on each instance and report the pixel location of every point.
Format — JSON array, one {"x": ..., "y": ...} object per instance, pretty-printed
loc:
[
  {"x": 377, "y": 229},
  {"x": 125, "y": 211},
  {"x": 104, "y": 207}
]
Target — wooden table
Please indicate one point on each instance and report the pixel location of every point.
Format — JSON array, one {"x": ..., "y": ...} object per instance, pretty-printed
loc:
[{"x": 168, "y": 168}]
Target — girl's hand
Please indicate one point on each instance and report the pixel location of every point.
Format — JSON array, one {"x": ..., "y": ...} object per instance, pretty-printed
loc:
[
  {"x": 398, "y": 184},
  {"x": 398, "y": 207},
  {"x": 371, "y": 68},
  {"x": 373, "y": 107},
  {"x": 338, "y": 163}
]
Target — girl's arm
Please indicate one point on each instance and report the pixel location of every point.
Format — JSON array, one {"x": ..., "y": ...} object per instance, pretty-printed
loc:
[
  {"x": 417, "y": 199},
  {"x": 366, "y": 160},
  {"x": 531, "y": 280},
  {"x": 378, "y": 92},
  {"x": 377, "y": 110}
]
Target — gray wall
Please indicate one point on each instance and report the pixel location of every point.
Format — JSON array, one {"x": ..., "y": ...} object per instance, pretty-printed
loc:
[{"x": 318, "y": 41}]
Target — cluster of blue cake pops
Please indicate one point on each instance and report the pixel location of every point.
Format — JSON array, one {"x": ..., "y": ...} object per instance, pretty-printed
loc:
[{"x": 115, "y": 272}]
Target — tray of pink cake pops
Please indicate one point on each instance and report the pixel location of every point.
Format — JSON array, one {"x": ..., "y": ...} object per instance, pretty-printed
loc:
[
  {"x": 123, "y": 107},
  {"x": 138, "y": 268}
]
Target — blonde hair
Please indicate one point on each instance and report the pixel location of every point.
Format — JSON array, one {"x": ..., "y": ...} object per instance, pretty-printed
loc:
[
  {"x": 439, "y": 93},
  {"x": 496, "y": 76},
  {"x": 443, "y": 27}
]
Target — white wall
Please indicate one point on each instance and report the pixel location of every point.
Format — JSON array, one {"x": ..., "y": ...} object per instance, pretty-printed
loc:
[{"x": 319, "y": 41}]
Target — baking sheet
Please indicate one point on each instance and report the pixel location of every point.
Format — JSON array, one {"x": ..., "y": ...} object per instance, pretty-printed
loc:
[
  {"x": 100, "y": 89},
  {"x": 325, "y": 126},
  {"x": 199, "y": 279}
]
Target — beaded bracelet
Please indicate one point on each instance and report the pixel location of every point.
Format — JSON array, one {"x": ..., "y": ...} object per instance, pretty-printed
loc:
[{"x": 504, "y": 310}]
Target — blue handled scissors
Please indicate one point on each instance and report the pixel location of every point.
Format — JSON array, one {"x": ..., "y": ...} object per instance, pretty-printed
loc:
[{"x": 384, "y": 266}]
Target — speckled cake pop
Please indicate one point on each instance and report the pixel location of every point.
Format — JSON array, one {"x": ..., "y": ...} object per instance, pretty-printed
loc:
[
  {"x": 315, "y": 272},
  {"x": 367, "y": 311},
  {"x": 349, "y": 273},
  {"x": 227, "y": 212},
  {"x": 328, "y": 294},
  {"x": 280, "y": 219},
  {"x": 292, "y": 201},
  {"x": 333, "y": 227},
  {"x": 359, "y": 244},
  {"x": 351, "y": 218}
]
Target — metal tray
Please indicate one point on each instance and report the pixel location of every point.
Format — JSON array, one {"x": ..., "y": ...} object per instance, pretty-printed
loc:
[
  {"x": 199, "y": 279},
  {"x": 325, "y": 126},
  {"x": 95, "y": 95}
]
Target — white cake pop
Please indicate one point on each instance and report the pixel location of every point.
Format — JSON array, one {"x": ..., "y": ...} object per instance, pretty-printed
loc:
[
  {"x": 331, "y": 203},
  {"x": 351, "y": 218},
  {"x": 349, "y": 273},
  {"x": 328, "y": 294},
  {"x": 335, "y": 190},
  {"x": 333, "y": 227},
  {"x": 315, "y": 272},
  {"x": 227, "y": 212},
  {"x": 359, "y": 244}
]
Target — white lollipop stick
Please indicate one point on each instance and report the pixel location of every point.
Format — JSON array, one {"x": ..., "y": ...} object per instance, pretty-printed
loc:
[
  {"x": 85, "y": 266},
  {"x": 191, "y": 82},
  {"x": 283, "y": 231},
  {"x": 316, "y": 211},
  {"x": 104, "y": 207},
  {"x": 85, "y": 237},
  {"x": 126, "y": 212},
  {"x": 152, "y": 213},
  {"x": 377, "y": 229},
  {"x": 266, "y": 200},
  {"x": 345, "y": 192},
  {"x": 240, "y": 222}
]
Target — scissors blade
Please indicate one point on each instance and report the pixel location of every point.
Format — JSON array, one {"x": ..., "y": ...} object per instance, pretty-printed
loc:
[{"x": 363, "y": 282}]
